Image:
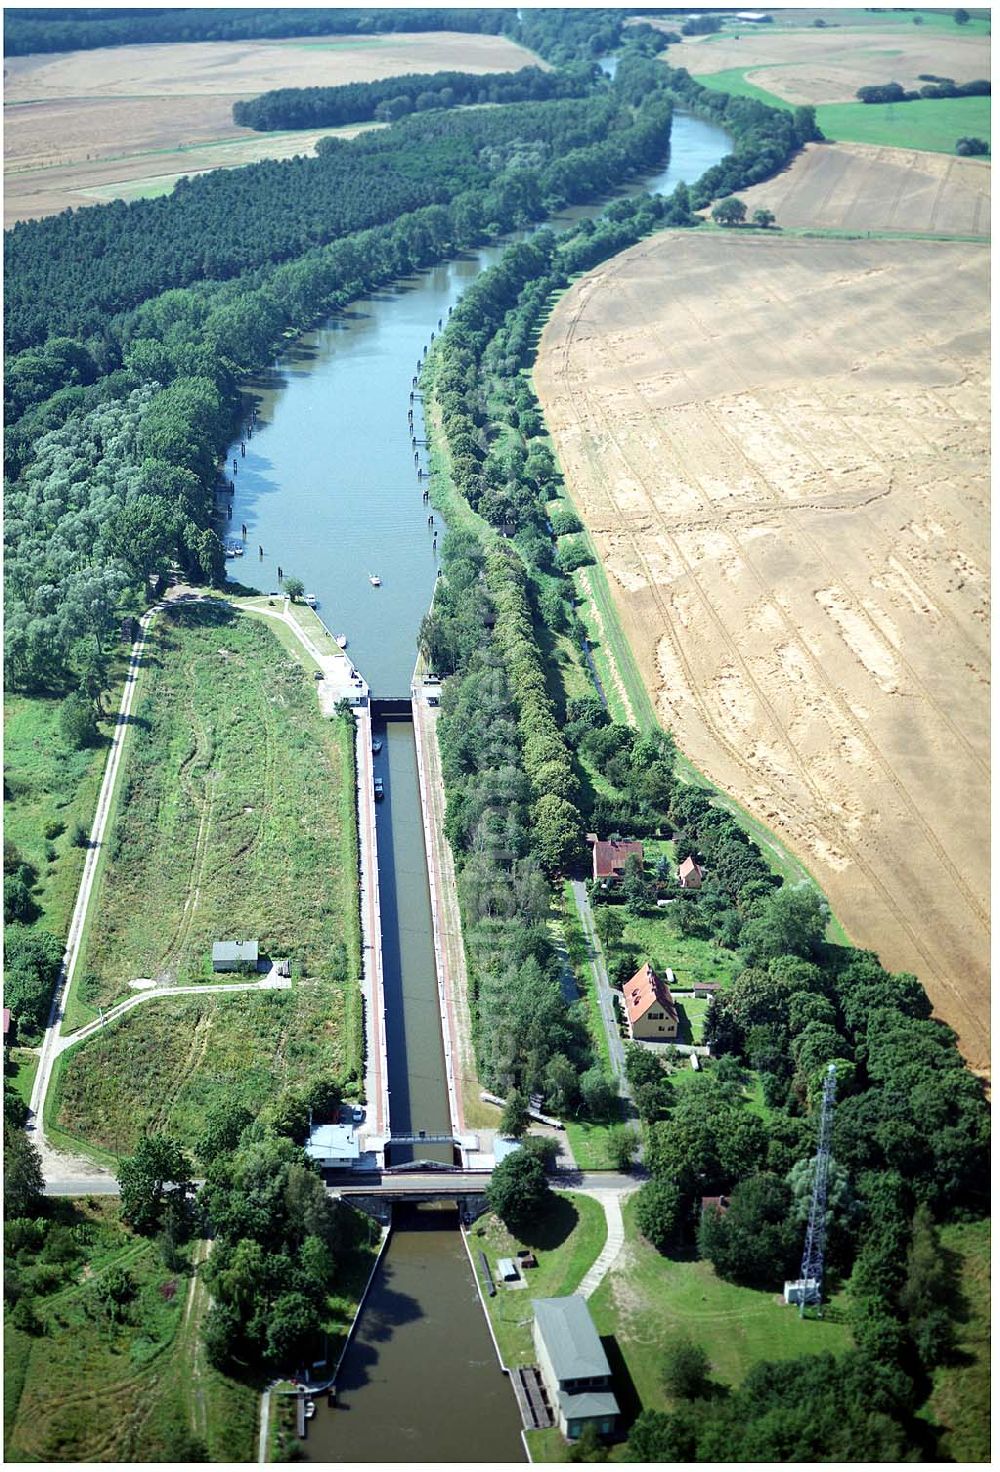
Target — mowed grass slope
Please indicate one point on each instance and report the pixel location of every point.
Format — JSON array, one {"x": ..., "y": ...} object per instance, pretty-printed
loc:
[
  {"x": 235, "y": 816},
  {"x": 84, "y": 1389},
  {"x": 165, "y": 1064},
  {"x": 647, "y": 1301}
]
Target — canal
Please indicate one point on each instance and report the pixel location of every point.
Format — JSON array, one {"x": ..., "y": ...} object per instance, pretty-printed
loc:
[{"x": 328, "y": 490}]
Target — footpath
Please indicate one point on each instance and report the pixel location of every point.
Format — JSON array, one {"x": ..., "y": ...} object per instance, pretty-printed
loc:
[{"x": 55, "y": 1164}]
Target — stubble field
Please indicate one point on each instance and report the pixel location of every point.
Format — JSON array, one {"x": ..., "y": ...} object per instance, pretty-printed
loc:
[
  {"x": 84, "y": 121},
  {"x": 830, "y": 64},
  {"x": 852, "y": 186},
  {"x": 780, "y": 449}
]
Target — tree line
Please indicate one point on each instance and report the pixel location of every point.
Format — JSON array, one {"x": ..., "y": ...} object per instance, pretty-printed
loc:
[
  {"x": 392, "y": 98},
  {"x": 910, "y": 1137},
  {"x": 894, "y": 92},
  {"x": 67, "y": 274},
  {"x": 85, "y": 28},
  {"x": 113, "y": 480}
]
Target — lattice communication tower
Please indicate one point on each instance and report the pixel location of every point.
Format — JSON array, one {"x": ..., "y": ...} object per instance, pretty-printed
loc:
[{"x": 810, "y": 1284}]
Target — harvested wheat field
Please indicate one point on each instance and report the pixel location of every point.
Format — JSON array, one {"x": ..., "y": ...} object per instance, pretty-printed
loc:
[
  {"x": 854, "y": 186},
  {"x": 780, "y": 450},
  {"x": 82, "y": 120},
  {"x": 812, "y": 66}
]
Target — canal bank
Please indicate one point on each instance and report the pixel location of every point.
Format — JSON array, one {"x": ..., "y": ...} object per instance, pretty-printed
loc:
[{"x": 329, "y": 489}]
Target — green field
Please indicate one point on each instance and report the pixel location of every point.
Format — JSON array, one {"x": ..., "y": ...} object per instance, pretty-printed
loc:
[
  {"x": 234, "y": 816},
  {"x": 49, "y": 788},
  {"x": 566, "y": 1243},
  {"x": 932, "y": 126},
  {"x": 163, "y": 1065},
  {"x": 647, "y": 1300},
  {"x": 83, "y": 1389},
  {"x": 960, "y": 1400}
]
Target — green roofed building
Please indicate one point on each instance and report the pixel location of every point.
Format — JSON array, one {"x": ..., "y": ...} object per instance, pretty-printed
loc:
[
  {"x": 574, "y": 1367},
  {"x": 234, "y": 955}
]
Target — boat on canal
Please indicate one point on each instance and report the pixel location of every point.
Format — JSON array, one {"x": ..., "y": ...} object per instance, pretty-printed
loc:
[{"x": 375, "y": 580}]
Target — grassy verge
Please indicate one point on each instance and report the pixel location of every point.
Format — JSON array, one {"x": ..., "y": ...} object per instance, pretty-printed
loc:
[
  {"x": 234, "y": 811},
  {"x": 21, "y": 1068},
  {"x": 165, "y": 1064},
  {"x": 85, "y": 1389},
  {"x": 566, "y": 1242},
  {"x": 959, "y": 1404},
  {"x": 49, "y": 789}
]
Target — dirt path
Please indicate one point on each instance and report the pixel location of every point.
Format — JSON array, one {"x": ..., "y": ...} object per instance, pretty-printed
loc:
[
  {"x": 53, "y": 1163},
  {"x": 780, "y": 450}
]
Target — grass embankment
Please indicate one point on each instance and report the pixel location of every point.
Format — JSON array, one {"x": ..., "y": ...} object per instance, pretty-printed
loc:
[
  {"x": 929, "y": 125},
  {"x": 235, "y": 817},
  {"x": 51, "y": 788},
  {"x": 85, "y": 1389},
  {"x": 163, "y": 1065},
  {"x": 960, "y": 1400},
  {"x": 567, "y": 1241}
]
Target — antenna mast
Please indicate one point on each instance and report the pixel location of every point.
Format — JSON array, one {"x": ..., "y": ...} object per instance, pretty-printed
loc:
[{"x": 809, "y": 1288}]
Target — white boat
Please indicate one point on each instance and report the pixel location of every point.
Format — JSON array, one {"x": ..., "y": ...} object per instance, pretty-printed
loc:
[
  {"x": 310, "y": 1409},
  {"x": 375, "y": 580},
  {"x": 234, "y": 551},
  {"x": 310, "y": 598},
  {"x": 341, "y": 641}
]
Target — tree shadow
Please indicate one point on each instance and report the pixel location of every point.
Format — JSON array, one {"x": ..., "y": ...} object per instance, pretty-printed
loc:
[{"x": 551, "y": 1230}]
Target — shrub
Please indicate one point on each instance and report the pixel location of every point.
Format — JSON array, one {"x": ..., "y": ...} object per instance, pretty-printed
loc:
[{"x": 76, "y": 721}]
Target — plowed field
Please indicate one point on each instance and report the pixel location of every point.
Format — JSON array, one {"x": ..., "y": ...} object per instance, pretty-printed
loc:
[
  {"x": 851, "y": 186},
  {"x": 780, "y": 450},
  {"x": 83, "y": 120}
]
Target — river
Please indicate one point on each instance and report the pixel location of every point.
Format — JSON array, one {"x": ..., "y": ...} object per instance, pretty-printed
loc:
[{"x": 329, "y": 491}]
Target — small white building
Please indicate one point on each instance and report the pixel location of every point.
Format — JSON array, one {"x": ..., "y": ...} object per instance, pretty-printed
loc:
[
  {"x": 234, "y": 955},
  {"x": 334, "y": 1147}
]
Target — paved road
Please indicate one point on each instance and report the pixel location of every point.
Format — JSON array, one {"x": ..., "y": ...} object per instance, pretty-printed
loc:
[
  {"x": 50, "y": 1048},
  {"x": 604, "y": 992}
]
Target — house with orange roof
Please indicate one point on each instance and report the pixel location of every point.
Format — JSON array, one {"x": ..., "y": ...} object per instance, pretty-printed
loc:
[
  {"x": 650, "y": 1009},
  {"x": 690, "y": 874}
]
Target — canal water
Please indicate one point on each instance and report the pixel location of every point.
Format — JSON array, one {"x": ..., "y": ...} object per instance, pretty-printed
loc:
[{"x": 328, "y": 489}]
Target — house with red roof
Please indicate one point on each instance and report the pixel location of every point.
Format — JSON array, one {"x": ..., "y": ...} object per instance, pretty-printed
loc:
[
  {"x": 651, "y": 1011},
  {"x": 610, "y": 856}
]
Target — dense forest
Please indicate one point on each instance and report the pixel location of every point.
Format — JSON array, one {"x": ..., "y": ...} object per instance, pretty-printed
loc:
[
  {"x": 910, "y": 1139},
  {"x": 84, "y": 28},
  {"x": 392, "y": 98},
  {"x": 557, "y": 35},
  {"x": 68, "y": 273}
]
